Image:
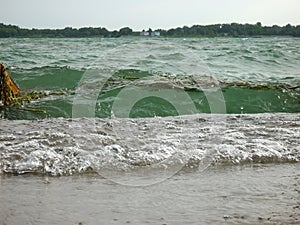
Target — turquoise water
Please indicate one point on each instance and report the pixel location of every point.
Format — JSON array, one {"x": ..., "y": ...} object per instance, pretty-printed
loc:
[{"x": 255, "y": 75}]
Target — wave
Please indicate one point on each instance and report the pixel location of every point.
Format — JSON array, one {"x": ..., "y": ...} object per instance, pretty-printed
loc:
[
  {"x": 46, "y": 77},
  {"x": 71, "y": 146},
  {"x": 237, "y": 96}
]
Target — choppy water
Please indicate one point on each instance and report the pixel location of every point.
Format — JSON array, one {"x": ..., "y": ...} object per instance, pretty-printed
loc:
[
  {"x": 159, "y": 79},
  {"x": 140, "y": 111},
  {"x": 254, "y": 75}
]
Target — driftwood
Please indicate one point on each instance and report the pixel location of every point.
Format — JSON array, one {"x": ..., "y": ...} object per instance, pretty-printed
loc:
[
  {"x": 12, "y": 96},
  {"x": 8, "y": 88}
]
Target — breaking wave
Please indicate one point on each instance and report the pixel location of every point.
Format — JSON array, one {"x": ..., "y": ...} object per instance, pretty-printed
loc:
[{"x": 72, "y": 146}]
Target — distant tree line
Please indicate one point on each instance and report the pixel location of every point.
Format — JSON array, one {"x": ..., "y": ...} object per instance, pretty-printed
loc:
[
  {"x": 233, "y": 30},
  {"x": 216, "y": 30},
  {"x": 7, "y": 31}
]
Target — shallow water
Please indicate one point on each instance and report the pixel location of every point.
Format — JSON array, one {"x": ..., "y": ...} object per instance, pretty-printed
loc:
[{"x": 249, "y": 194}]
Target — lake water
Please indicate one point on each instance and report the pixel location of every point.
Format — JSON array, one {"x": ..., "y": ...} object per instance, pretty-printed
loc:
[{"x": 152, "y": 131}]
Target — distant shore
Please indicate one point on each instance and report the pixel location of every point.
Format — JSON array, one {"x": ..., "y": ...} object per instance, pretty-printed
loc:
[{"x": 215, "y": 30}]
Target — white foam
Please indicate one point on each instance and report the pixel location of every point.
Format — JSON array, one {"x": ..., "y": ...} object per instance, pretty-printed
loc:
[{"x": 61, "y": 146}]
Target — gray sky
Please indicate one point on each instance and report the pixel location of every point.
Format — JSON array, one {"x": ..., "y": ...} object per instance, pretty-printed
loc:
[{"x": 144, "y": 14}]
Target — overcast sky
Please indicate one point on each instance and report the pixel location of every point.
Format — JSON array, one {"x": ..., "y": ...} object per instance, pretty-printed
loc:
[{"x": 144, "y": 14}]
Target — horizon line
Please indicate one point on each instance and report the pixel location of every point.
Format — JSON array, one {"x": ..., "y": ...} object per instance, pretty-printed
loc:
[{"x": 91, "y": 26}]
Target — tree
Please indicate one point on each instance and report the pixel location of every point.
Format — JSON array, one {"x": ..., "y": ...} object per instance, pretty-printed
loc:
[
  {"x": 125, "y": 31},
  {"x": 115, "y": 34},
  {"x": 287, "y": 30},
  {"x": 297, "y": 31}
]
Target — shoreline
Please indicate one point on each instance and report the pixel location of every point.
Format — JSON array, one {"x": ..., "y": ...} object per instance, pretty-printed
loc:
[
  {"x": 248, "y": 194},
  {"x": 160, "y": 37}
]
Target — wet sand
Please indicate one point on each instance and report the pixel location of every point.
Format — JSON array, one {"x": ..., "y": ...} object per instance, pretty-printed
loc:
[{"x": 242, "y": 194}]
